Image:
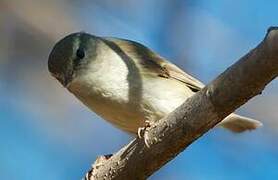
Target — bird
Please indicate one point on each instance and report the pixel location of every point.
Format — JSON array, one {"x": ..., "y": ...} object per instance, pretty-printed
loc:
[{"x": 126, "y": 83}]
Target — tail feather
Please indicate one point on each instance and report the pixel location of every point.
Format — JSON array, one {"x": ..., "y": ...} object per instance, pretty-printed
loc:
[{"x": 238, "y": 124}]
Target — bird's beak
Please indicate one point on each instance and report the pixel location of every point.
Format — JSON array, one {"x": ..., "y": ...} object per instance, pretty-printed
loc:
[{"x": 64, "y": 80}]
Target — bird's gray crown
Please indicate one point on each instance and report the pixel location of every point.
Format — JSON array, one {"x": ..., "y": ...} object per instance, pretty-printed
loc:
[{"x": 66, "y": 54}]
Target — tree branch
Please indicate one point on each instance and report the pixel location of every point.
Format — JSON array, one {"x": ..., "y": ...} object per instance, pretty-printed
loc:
[{"x": 172, "y": 134}]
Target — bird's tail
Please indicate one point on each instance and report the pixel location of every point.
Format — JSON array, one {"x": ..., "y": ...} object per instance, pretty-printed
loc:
[{"x": 238, "y": 124}]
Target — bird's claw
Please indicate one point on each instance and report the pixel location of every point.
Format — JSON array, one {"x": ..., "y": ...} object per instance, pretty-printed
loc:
[{"x": 141, "y": 130}]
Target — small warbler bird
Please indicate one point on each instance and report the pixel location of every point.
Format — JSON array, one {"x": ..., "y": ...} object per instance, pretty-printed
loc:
[{"x": 125, "y": 82}]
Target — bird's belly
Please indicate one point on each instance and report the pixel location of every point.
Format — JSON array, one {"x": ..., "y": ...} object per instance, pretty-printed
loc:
[
  {"x": 156, "y": 99},
  {"x": 115, "y": 108},
  {"x": 122, "y": 115},
  {"x": 150, "y": 102}
]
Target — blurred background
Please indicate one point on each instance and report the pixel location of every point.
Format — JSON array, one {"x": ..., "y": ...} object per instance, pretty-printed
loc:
[{"x": 46, "y": 133}]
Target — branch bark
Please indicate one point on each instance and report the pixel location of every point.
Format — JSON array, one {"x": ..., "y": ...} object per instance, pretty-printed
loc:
[{"x": 172, "y": 134}]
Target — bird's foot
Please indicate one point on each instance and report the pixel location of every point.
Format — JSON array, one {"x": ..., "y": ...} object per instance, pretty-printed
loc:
[{"x": 141, "y": 130}]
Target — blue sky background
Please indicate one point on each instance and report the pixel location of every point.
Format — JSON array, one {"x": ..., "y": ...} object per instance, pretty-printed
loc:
[{"x": 46, "y": 133}]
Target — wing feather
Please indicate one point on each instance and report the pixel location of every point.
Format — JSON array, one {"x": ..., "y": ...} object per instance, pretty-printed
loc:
[{"x": 152, "y": 63}]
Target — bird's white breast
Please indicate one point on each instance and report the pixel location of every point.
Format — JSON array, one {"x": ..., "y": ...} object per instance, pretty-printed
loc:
[{"x": 106, "y": 88}]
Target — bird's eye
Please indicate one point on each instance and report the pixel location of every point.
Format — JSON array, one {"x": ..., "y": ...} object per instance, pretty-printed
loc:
[{"x": 80, "y": 53}]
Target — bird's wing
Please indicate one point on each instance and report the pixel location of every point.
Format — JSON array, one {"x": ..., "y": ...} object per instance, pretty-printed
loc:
[{"x": 152, "y": 63}]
